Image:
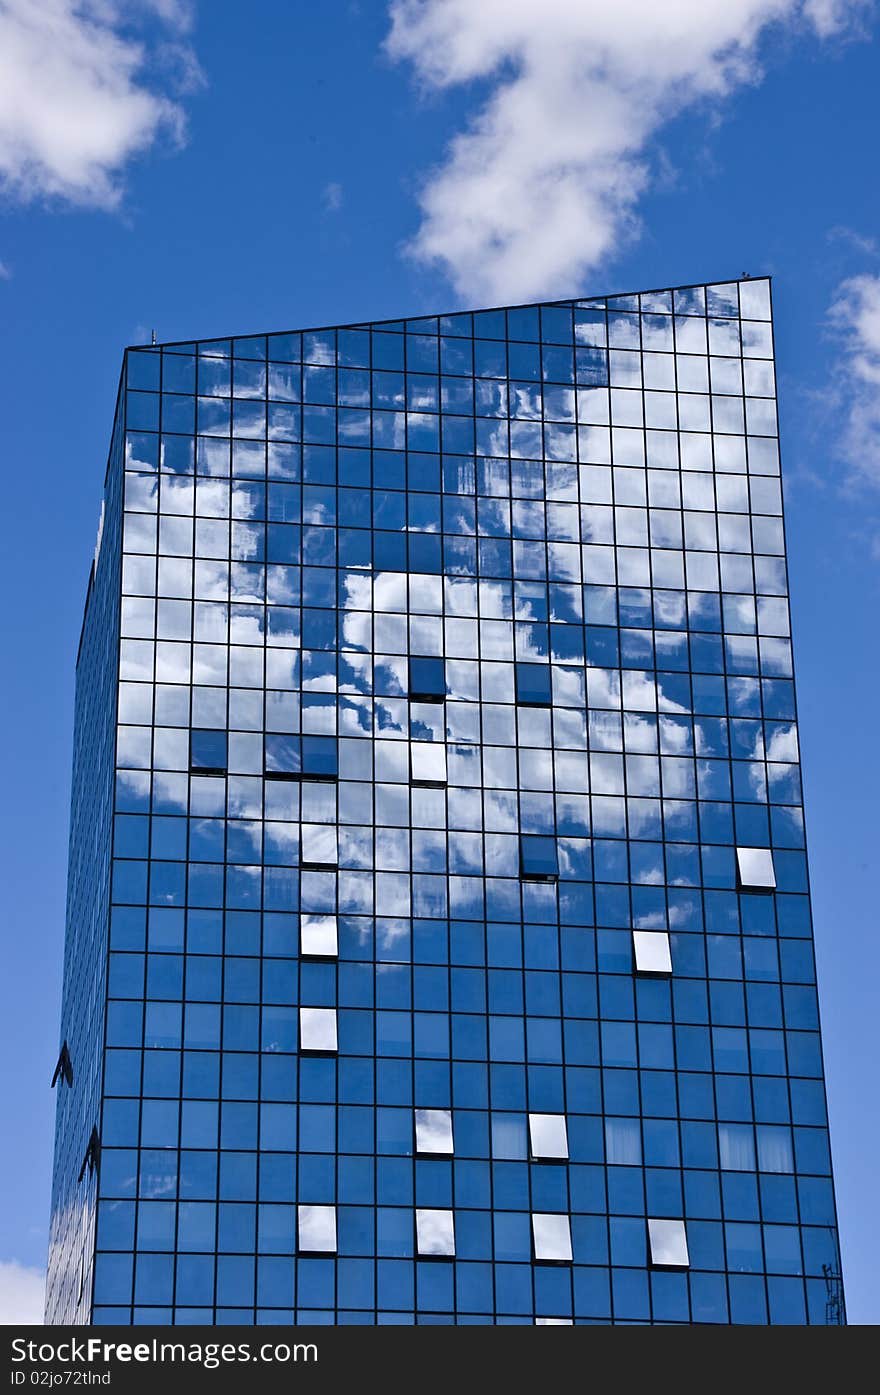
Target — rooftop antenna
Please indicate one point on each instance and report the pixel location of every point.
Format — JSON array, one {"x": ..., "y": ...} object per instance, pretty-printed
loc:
[{"x": 152, "y": 336}]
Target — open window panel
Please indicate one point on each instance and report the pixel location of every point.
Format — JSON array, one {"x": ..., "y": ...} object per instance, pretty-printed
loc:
[
  {"x": 548, "y": 1137},
  {"x": 317, "y": 1030},
  {"x": 755, "y": 870},
  {"x": 551, "y": 1237},
  {"x": 427, "y": 679},
  {"x": 533, "y": 685},
  {"x": 316, "y": 1230},
  {"x": 435, "y": 1233},
  {"x": 651, "y": 952},
  {"x": 318, "y": 937},
  {"x": 208, "y": 751},
  {"x": 667, "y": 1243},
  {"x": 434, "y": 1132},
  {"x": 427, "y": 761},
  {"x": 538, "y": 858}
]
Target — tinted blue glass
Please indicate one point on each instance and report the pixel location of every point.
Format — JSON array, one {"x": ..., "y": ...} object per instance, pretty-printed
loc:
[{"x": 426, "y": 698}]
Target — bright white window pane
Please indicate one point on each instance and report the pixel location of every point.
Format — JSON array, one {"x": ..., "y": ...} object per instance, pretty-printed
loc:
[
  {"x": 317, "y": 1029},
  {"x": 553, "y": 1322},
  {"x": 435, "y": 1232},
  {"x": 551, "y": 1235},
  {"x": 434, "y": 1131},
  {"x": 318, "y": 845},
  {"x": 651, "y": 950},
  {"x": 317, "y": 936},
  {"x": 317, "y": 1229},
  {"x": 548, "y": 1137},
  {"x": 668, "y": 1242},
  {"x": 755, "y": 867},
  {"x": 428, "y": 762}
]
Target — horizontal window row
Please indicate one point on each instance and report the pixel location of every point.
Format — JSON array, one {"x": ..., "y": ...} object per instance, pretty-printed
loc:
[
  {"x": 694, "y": 1095},
  {"x": 494, "y": 384},
  {"x": 719, "y": 952},
  {"x": 636, "y": 691},
  {"x": 509, "y": 1136},
  {"x": 575, "y": 543},
  {"x": 532, "y": 469},
  {"x": 681, "y": 345},
  {"x": 491, "y": 406},
  {"x": 501, "y": 561},
  {"x": 316, "y": 1233},
  {"x": 432, "y": 349},
  {"x": 747, "y": 299},
  {"x": 394, "y": 597},
  {"x": 387, "y": 1130},
  {"x": 690, "y": 469},
  {"x": 501, "y": 597},
  {"x": 465, "y": 1037},
  {"x": 538, "y": 859}
]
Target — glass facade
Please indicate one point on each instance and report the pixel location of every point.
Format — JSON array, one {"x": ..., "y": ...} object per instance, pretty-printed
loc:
[{"x": 451, "y": 960}]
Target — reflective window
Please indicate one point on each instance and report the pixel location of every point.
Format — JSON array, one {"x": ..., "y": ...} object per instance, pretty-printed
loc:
[
  {"x": 651, "y": 952},
  {"x": 548, "y": 1137},
  {"x": 317, "y": 1029},
  {"x": 317, "y": 936},
  {"x": 428, "y": 763},
  {"x": 453, "y": 702},
  {"x": 435, "y": 1232},
  {"x": 538, "y": 858},
  {"x": 668, "y": 1244},
  {"x": 208, "y": 752},
  {"x": 427, "y": 680},
  {"x": 755, "y": 869},
  {"x": 433, "y": 1130},
  {"x": 316, "y": 1227},
  {"x": 551, "y": 1237},
  {"x": 533, "y": 685}
]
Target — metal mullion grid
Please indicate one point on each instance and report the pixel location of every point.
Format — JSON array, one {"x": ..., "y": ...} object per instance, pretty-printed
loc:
[
  {"x": 372, "y": 572},
  {"x": 115, "y": 681},
  {"x": 600, "y": 1018},
  {"x": 485, "y": 933},
  {"x": 760, "y": 681},
  {"x": 795, "y": 1174},
  {"x": 589, "y": 748},
  {"x": 709, "y": 1014},
  {"x": 221, "y": 1048},
  {"x": 632, "y": 976},
  {"x": 727, "y": 676},
  {"x": 562, "y": 1067},
  {"x": 102, "y": 1009},
  {"x": 663, "y": 846},
  {"x": 699, "y": 829},
  {"x": 374, "y": 1105},
  {"x": 262, "y": 963}
]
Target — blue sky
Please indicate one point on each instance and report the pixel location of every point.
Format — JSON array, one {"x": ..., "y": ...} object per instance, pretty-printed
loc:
[{"x": 214, "y": 169}]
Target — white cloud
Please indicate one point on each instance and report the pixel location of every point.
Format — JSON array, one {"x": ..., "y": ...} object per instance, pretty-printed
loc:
[
  {"x": 332, "y": 197},
  {"x": 544, "y": 183},
  {"x": 75, "y": 104},
  {"x": 22, "y": 1292},
  {"x": 855, "y": 319},
  {"x": 5, "y": 273}
]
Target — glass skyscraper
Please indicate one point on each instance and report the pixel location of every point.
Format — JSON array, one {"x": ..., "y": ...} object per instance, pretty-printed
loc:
[{"x": 439, "y": 943}]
